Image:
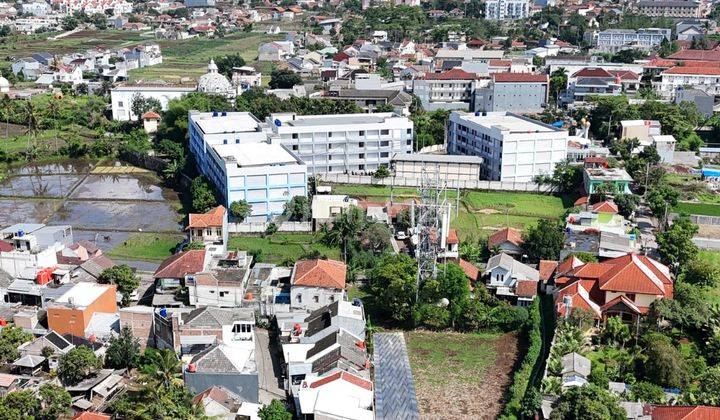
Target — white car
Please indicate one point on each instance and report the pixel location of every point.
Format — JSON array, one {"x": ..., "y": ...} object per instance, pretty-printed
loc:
[{"x": 400, "y": 236}]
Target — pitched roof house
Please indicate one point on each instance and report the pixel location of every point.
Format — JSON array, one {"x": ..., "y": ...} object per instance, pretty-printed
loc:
[
  {"x": 625, "y": 286},
  {"x": 508, "y": 240},
  {"x": 315, "y": 283},
  {"x": 512, "y": 279}
]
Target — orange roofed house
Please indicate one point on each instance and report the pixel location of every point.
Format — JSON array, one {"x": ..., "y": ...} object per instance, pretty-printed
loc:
[
  {"x": 625, "y": 286},
  {"x": 508, "y": 241},
  {"x": 316, "y": 283},
  {"x": 209, "y": 228},
  {"x": 71, "y": 313}
]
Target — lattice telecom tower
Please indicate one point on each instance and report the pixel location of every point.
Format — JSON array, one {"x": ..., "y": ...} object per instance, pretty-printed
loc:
[{"x": 431, "y": 226}]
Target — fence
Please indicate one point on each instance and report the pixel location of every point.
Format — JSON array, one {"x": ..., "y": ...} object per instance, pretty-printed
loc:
[
  {"x": 705, "y": 220},
  {"x": 469, "y": 184},
  {"x": 259, "y": 227}
]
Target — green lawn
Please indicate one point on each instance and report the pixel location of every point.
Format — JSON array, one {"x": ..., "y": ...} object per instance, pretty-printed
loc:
[
  {"x": 481, "y": 212},
  {"x": 713, "y": 295},
  {"x": 190, "y": 57},
  {"x": 283, "y": 247},
  {"x": 153, "y": 247},
  {"x": 706, "y": 209}
]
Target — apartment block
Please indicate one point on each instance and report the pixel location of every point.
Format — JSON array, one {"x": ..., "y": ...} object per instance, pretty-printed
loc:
[
  {"x": 507, "y": 9},
  {"x": 514, "y": 92},
  {"x": 514, "y": 148},
  {"x": 617, "y": 39},
  {"x": 232, "y": 151},
  {"x": 345, "y": 142},
  {"x": 669, "y": 8}
]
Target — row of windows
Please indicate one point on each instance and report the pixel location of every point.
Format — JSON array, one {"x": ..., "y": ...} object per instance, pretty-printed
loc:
[
  {"x": 383, "y": 132},
  {"x": 315, "y": 298}
]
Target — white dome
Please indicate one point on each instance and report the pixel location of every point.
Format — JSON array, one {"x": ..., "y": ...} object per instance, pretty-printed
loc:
[
  {"x": 4, "y": 82},
  {"x": 214, "y": 82}
]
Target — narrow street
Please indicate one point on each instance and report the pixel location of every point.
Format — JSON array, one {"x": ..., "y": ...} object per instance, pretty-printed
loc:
[{"x": 268, "y": 366}]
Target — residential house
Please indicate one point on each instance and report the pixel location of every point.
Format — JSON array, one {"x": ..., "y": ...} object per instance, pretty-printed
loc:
[
  {"x": 575, "y": 370},
  {"x": 706, "y": 79},
  {"x": 508, "y": 240},
  {"x": 511, "y": 279},
  {"x": 73, "y": 312},
  {"x": 594, "y": 177},
  {"x": 682, "y": 412},
  {"x": 325, "y": 207},
  {"x": 231, "y": 366},
  {"x": 209, "y": 228},
  {"x": 172, "y": 272},
  {"x": 316, "y": 283},
  {"x": 223, "y": 285},
  {"x": 275, "y": 51},
  {"x": 339, "y": 394},
  {"x": 221, "y": 403},
  {"x": 624, "y": 286}
]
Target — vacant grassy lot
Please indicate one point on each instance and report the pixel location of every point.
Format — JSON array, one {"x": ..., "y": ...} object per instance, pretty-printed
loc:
[
  {"x": 190, "y": 57},
  {"x": 481, "y": 212},
  {"x": 461, "y": 375},
  {"x": 706, "y": 209},
  {"x": 713, "y": 294},
  {"x": 153, "y": 247},
  {"x": 281, "y": 248},
  {"x": 14, "y": 47}
]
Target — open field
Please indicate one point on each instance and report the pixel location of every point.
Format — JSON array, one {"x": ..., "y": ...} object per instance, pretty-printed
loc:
[
  {"x": 461, "y": 375},
  {"x": 713, "y": 294},
  {"x": 14, "y": 47},
  {"x": 481, "y": 212},
  {"x": 190, "y": 57},
  {"x": 153, "y": 247},
  {"x": 706, "y": 209},
  {"x": 283, "y": 247}
]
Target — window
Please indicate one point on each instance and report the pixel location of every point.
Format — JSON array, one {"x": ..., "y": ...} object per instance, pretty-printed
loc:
[
  {"x": 222, "y": 294},
  {"x": 384, "y": 154},
  {"x": 384, "y": 132},
  {"x": 237, "y": 141},
  {"x": 361, "y": 144},
  {"x": 329, "y": 146},
  {"x": 329, "y": 134},
  {"x": 121, "y": 104},
  {"x": 361, "y": 156},
  {"x": 208, "y": 232},
  {"x": 298, "y": 298},
  {"x": 409, "y": 130},
  {"x": 384, "y": 143},
  {"x": 316, "y": 299},
  {"x": 224, "y": 141},
  {"x": 295, "y": 147},
  {"x": 294, "y": 135},
  {"x": 361, "y": 133},
  {"x": 409, "y": 142},
  {"x": 361, "y": 167},
  {"x": 631, "y": 296}
]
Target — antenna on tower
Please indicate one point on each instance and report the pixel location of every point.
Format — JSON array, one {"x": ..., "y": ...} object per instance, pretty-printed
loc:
[{"x": 433, "y": 220}]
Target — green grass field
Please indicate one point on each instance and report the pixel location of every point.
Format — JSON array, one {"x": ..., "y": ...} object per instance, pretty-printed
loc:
[
  {"x": 481, "y": 212},
  {"x": 713, "y": 295},
  {"x": 283, "y": 247},
  {"x": 153, "y": 247},
  {"x": 190, "y": 57},
  {"x": 705, "y": 209}
]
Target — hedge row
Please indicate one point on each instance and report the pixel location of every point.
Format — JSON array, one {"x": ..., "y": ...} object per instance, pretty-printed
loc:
[{"x": 521, "y": 378}]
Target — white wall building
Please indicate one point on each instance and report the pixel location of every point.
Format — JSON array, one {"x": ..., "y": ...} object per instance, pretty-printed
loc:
[
  {"x": 507, "y": 9},
  {"x": 121, "y": 97},
  {"x": 706, "y": 79},
  {"x": 513, "y": 148},
  {"x": 344, "y": 143},
  {"x": 230, "y": 149}
]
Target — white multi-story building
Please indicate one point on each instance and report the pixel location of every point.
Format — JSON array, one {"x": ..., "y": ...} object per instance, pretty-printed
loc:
[
  {"x": 617, "y": 39},
  {"x": 452, "y": 89},
  {"x": 514, "y": 148},
  {"x": 507, "y": 9},
  {"x": 121, "y": 97},
  {"x": 346, "y": 142},
  {"x": 706, "y": 79},
  {"x": 232, "y": 151}
]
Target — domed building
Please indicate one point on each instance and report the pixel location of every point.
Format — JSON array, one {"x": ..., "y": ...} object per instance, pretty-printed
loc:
[{"x": 214, "y": 82}]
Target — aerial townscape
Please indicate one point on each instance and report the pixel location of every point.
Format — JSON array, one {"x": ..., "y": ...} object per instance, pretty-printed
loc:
[{"x": 359, "y": 209}]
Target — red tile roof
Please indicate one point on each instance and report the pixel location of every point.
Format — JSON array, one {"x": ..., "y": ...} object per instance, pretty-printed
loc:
[
  {"x": 605, "y": 207},
  {"x": 692, "y": 412},
  {"x": 320, "y": 273},
  {"x": 710, "y": 71},
  {"x": 569, "y": 264},
  {"x": 696, "y": 55},
  {"x": 546, "y": 269},
  {"x": 216, "y": 393},
  {"x": 625, "y": 74},
  {"x": 580, "y": 201},
  {"x": 180, "y": 265},
  {"x": 86, "y": 415},
  {"x": 452, "y": 237},
  {"x": 505, "y": 235},
  {"x": 625, "y": 301},
  {"x": 453, "y": 74},
  {"x": 526, "y": 288},
  {"x": 596, "y": 159},
  {"x": 519, "y": 78},
  {"x": 579, "y": 298},
  {"x": 471, "y": 271},
  {"x": 150, "y": 115},
  {"x": 346, "y": 376},
  {"x": 636, "y": 274},
  {"x": 500, "y": 63},
  {"x": 592, "y": 72},
  {"x": 211, "y": 218}
]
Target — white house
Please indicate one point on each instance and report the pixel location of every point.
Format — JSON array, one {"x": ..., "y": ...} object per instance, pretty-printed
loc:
[
  {"x": 316, "y": 283},
  {"x": 121, "y": 97},
  {"x": 512, "y": 279}
]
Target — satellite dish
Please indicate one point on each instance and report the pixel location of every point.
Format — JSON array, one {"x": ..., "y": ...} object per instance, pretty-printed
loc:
[{"x": 278, "y": 123}]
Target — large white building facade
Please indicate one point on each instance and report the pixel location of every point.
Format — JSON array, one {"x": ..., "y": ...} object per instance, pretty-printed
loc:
[
  {"x": 507, "y": 9},
  {"x": 121, "y": 97},
  {"x": 514, "y": 148},
  {"x": 343, "y": 143},
  {"x": 232, "y": 151}
]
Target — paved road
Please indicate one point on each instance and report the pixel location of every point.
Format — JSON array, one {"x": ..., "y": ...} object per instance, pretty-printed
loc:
[
  {"x": 268, "y": 364},
  {"x": 707, "y": 243}
]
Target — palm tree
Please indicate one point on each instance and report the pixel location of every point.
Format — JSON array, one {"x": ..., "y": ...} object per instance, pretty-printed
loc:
[
  {"x": 163, "y": 367},
  {"x": 53, "y": 109},
  {"x": 6, "y": 105},
  {"x": 31, "y": 121}
]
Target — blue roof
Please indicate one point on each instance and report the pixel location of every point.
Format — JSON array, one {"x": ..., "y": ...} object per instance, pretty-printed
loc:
[{"x": 394, "y": 386}]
